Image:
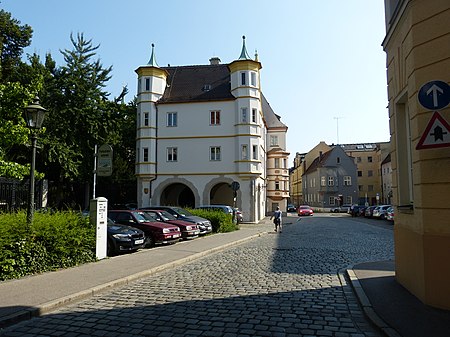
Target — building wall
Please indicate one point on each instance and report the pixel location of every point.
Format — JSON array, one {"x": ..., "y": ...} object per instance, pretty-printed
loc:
[{"x": 417, "y": 46}]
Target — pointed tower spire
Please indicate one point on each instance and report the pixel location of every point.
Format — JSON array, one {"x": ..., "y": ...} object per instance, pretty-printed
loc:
[
  {"x": 256, "y": 55},
  {"x": 244, "y": 54},
  {"x": 152, "y": 61}
]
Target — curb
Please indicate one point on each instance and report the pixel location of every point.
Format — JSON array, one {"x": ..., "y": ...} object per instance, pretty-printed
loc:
[
  {"x": 47, "y": 307},
  {"x": 367, "y": 308}
]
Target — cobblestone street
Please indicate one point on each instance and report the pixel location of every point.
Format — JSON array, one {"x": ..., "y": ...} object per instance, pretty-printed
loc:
[{"x": 280, "y": 284}]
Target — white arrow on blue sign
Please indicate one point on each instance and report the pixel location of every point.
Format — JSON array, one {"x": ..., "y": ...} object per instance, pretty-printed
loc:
[{"x": 434, "y": 95}]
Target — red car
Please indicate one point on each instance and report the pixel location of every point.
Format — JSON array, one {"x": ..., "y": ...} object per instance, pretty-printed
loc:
[
  {"x": 156, "y": 232},
  {"x": 304, "y": 210},
  {"x": 188, "y": 230}
]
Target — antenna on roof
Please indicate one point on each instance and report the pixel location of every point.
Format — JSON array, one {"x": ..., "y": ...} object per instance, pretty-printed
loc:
[{"x": 337, "y": 128}]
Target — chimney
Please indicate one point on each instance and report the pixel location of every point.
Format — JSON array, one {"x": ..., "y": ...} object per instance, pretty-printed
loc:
[{"x": 214, "y": 61}]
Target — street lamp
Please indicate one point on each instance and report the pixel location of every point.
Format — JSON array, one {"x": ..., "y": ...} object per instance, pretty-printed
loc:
[{"x": 34, "y": 116}]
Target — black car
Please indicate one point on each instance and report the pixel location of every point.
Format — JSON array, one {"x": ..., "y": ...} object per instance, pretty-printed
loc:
[{"x": 123, "y": 238}]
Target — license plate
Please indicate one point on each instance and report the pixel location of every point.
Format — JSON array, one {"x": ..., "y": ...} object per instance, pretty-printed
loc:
[
  {"x": 138, "y": 242},
  {"x": 176, "y": 236}
]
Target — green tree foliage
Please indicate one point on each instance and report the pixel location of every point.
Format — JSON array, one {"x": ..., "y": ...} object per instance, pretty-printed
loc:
[{"x": 13, "y": 39}]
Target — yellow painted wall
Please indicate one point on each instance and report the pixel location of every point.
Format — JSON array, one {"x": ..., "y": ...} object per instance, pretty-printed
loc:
[{"x": 417, "y": 44}]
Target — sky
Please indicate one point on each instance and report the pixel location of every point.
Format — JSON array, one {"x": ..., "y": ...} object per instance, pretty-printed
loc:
[{"x": 323, "y": 66}]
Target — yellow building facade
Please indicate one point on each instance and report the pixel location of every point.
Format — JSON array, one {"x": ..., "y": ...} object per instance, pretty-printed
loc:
[{"x": 417, "y": 45}]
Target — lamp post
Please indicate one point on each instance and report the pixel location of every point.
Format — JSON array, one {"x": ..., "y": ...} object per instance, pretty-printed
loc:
[{"x": 34, "y": 116}]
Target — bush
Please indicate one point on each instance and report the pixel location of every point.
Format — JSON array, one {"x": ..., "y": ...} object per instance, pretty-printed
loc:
[
  {"x": 221, "y": 222},
  {"x": 54, "y": 241}
]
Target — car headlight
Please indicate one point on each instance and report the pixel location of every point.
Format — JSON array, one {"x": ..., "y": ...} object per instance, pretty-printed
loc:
[
  {"x": 188, "y": 228},
  {"x": 122, "y": 237},
  {"x": 166, "y": 230}
]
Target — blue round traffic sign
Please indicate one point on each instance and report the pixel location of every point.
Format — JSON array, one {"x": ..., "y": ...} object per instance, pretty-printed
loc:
[{"x": 434, "y": 95}]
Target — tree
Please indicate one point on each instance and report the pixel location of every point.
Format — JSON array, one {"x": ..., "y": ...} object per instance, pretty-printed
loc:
[{"x": 13, "y": 39}]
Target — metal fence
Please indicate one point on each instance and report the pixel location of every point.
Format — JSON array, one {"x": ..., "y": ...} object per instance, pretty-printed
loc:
[{"x": 14, "y": 194}]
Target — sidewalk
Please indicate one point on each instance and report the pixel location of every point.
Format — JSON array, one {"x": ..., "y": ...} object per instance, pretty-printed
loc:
[{"x": 393, "y": 308}]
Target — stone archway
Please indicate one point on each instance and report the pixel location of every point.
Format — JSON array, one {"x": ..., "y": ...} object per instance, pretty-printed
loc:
[
  {"x": 177, "y": 194},
  {"x": 221, "y": 194}
]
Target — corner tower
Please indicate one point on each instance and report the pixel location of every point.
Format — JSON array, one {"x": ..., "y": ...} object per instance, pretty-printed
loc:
[{"x": 152, "y": 81}]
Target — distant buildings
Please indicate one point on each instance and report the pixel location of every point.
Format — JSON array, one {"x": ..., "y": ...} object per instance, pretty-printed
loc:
[
  {"x": 207, "y": 135},
  {"x": 347, "y": 174}
]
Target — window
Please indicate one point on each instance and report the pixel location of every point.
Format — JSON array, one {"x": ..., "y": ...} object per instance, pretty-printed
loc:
[
  {"x": 244, "y": 152},
  {"x": 243, "y": 79},
  {"x": 330, "y": 181},
  {"x": 404, "y": 153},
  {"x": 370, "y": 188},
  {"x": 147, "y": 84},
  {"x": 145, "y": 118},
  {"x": 277, "y": 162},
  {"x": 358, "y": 159},
  {"x": 285, "y": 163},
  {"x": 273, "y": 140},
  {"x": 214, "y": 153},
  {"x": 323, "y": 181},
  {"x": 255, "y": 151},
  {"x": 171, "y": 119},
  {"x": 370, "y": 173},
  {"x": 348, "y": 200},
  {"x": 332, "y": 201},
  {"x": 369, "y": 159},
  {"x": 145, "y": 154},
  {"x": 215, "y": 118},
  {"x": 172, "y": 154},
  {"x": 360, "y": 188},
  {"x": 244, "y": 115},
  {"x": 253, "y": 79},
  {"x": 254, "y": 115},
  {"x": 338, "y": 160},
  {"x": 359, "y": 173},
  {"x": 347, "y": 181},
  {"x": 277, "y": 185}
]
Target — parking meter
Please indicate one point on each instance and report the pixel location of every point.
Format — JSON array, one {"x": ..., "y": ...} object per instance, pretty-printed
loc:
[{"x": 99, "y": 217}]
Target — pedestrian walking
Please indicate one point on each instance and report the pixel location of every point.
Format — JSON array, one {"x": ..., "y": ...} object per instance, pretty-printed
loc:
[{"x": 276, "y": 216}]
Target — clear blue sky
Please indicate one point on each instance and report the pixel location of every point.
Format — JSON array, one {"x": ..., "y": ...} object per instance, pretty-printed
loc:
[{"x": 324, "y": 70}]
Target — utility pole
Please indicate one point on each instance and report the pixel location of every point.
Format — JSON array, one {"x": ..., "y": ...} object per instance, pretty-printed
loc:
[{"x": 337, "y": 128}]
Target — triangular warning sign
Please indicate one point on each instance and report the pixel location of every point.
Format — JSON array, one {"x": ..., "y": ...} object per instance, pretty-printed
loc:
[{"x": 437, "y": 133}]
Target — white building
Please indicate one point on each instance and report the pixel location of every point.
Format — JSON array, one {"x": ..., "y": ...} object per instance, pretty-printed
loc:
[{"x": 202, "y": 130}]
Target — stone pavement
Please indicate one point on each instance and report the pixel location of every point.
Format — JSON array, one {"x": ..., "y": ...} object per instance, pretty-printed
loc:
[{"x": 288, "y": 284}]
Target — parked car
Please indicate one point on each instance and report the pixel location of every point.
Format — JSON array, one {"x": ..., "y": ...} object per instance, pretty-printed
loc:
[
  {"x": 341, "y": 209},
  {"x": 182, "y": 214},
  {"x": 354, "y": 210},
  {"x": 188, "y": 230},
  {"x": 156, "y": 232},
  {"x": 222, "y": 208},
  {"x": 369, "y": 211},
  {"x": 291, "y": 208},
  {"x": 304, "y": 210},
  {"x": 390, "y": 213},
  {"x": 380, "y": 212},
  {"x": 121, "y": 238}
]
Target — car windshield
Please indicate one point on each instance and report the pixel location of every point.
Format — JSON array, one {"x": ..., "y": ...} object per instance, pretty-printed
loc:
[
  {"x": 182, "y": 211},
  {"x": 143, "y": 217},
  {"x": 304, "y": 207},
  {"x": 167, "y": 216}
]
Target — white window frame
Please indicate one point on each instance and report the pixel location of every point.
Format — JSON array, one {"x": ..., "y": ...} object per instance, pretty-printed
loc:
[
  {"x": 244, "y": 115},
  {"x": 172, "y": 119},
  {"x": 214, "y": 153},
  {"x": 330, "y": 181},
  {"x": 214, "y": 117},
  {"x": 253, "y": 79},
  {"x": 243, "y": 78},
  {"x": 273, "y": 140},
  {"x": 147, "y": 84},
  {"x": 347, "y": 181},
  {"x": 172, "y": 154},
  {"x": 254, "y": 115},
  {"x": 323, "y": 181},
  {"x": 145, "y": 154},
  {"x": 255, "y": 152},
  {"x": 277, "y": 163},
  {"x": 332, "y": 201},
  {"x": 244, "y": 151}
]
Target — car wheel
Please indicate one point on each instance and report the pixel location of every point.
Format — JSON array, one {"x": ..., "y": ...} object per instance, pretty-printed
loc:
[
  {"x": 149, "y": 242},
  {"x": 382, "y": 217}
]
